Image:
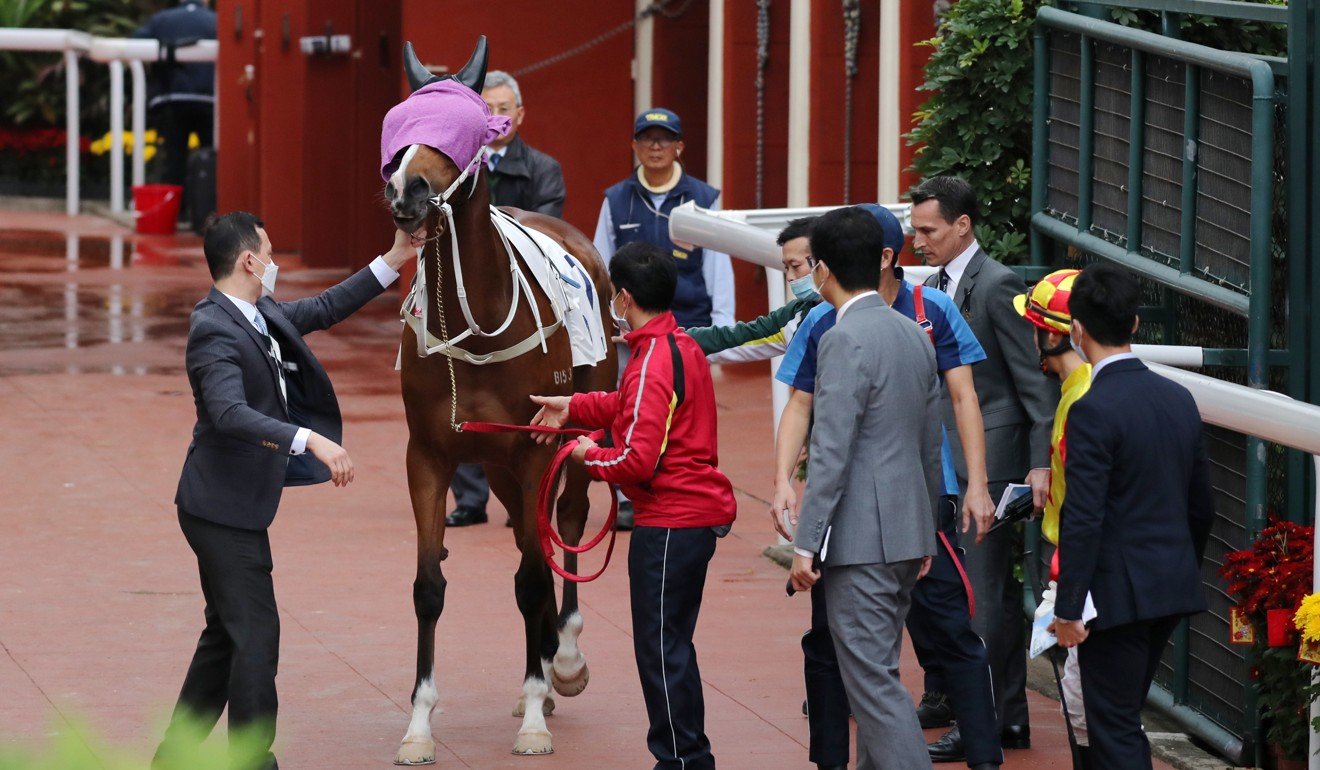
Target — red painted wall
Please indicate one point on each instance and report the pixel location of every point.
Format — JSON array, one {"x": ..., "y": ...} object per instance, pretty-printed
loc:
[
  {"x": 579, "y": 110},
  {"x": 918, "y": 25},
  {"x": 828, "y": 88}
]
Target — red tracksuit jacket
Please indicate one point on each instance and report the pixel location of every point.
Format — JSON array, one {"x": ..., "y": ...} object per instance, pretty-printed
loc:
[{"x": 664, "y": 454}]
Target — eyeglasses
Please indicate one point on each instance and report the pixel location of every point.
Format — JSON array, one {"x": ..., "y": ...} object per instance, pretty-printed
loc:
[{"x": 657, "y": 141}]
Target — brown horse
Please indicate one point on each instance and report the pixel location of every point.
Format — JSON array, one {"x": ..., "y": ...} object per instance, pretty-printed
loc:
[{"x": 495, "y": 392}]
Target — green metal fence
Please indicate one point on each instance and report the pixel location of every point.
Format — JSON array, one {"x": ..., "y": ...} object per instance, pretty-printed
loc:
[{"x": 1160, "y": 155}]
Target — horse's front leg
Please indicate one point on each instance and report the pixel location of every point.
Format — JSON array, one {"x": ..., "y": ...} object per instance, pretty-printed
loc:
[
  {"x": 568, "y": 672},
  {"x": 428, "y": 485}
]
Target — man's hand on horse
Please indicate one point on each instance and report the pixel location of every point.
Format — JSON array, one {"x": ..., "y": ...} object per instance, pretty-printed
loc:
[
  {"x": 404, "y": 249},
  {"x": 553, "y": 414},
  {"x": 580, "y": 451}
]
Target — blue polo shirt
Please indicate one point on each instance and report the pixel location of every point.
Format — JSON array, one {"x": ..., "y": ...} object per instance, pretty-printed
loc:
[{"x": 955, "y": 345}]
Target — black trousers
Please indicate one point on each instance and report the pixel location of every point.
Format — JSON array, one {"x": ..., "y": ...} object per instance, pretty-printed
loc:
[
  {"x": 470, "y": 487},
  {"x": 1117, "y": 666},
  {"x": 939, "y": 626},
  {"x": 667, "y": 575},
  {"x": 238, "y": 652},
  {"x": 176, "y": 120}
]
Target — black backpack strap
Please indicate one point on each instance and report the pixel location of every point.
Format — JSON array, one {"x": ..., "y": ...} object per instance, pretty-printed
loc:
[{"x": 680, "y": 379}]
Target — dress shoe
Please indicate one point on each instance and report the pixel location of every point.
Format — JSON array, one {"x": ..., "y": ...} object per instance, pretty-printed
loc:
[
  {"x": 947, "y": 748},
  {"x": 1016, "y": 736},
  {"x": 624, "y": 522},
  {"x": 832, "y": 767},
  {"x": 465, "y": 517},
  {"x": 984, "y": 766},
  {"x": 934, "y": 711}
]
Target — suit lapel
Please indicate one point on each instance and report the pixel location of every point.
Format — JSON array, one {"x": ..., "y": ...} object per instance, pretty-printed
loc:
[
  {"x": 221, "y": 301},
  {"x": 968, "y": 280}
]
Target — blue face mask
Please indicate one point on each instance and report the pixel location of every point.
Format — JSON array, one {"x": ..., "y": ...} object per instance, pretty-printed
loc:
[{"x": 804, "y": 288}]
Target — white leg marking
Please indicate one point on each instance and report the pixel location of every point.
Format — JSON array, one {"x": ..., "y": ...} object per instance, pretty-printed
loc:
[
  {"x": 569, "y": 672},
  {"x": 418, "y": 747},
  {"x": 534, "y": 737},
  {"x": 419, "y": 729}
]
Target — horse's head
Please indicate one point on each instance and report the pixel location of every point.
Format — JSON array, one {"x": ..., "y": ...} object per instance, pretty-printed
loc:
[{"x": 420, "y": 171}]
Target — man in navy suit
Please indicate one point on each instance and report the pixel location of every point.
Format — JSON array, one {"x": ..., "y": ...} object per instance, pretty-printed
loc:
[
  {"x": 1135, "y": 522},
  {"x": 267, "y": 418}
]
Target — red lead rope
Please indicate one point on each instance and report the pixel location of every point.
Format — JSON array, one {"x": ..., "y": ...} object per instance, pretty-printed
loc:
[{"x": 545, "y": 498}]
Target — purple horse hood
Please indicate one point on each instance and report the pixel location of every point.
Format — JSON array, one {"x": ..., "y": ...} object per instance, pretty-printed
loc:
[{"x": 446, "y": 116}]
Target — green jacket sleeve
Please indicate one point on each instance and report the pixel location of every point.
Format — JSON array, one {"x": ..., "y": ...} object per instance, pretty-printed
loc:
[{"x": 714, "y": 339}]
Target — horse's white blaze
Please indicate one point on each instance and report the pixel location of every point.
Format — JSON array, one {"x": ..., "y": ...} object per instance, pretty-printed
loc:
[
  {"x": 535, "y": 690},
  {"x": 569, "y": 660},
  {"x": 401, "y": 173},
  {"x": 419, "y": 729}
]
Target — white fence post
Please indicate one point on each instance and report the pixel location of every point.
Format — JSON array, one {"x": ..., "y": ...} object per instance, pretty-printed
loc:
[
  {"x": 117, "y": 136},
  {"x": 139, "y": 74},
  {"x": 72, "y": 139}
]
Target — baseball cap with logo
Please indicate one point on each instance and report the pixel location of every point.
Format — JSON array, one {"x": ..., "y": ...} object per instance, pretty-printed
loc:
[{"x": 658, "y": 116}]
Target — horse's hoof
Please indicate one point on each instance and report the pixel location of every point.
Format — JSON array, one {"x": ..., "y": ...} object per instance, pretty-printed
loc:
[
  {"x": 520, "y": 708},
  {"x": 533, "y": 742},
  {"x": 415, "y": 753},
  {"x": 571, "y": 684}
]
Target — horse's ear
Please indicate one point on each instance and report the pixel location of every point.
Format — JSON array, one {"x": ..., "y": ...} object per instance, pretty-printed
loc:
[
  {"x": 418, "y": 75},
  {"x": 473, "y": 74}
]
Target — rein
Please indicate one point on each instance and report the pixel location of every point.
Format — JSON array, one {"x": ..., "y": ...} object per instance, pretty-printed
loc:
[{"x": 547, "y": 535}]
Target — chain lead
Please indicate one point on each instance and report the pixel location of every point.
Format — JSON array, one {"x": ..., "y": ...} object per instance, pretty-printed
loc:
[{"x": 852, "y": 28}]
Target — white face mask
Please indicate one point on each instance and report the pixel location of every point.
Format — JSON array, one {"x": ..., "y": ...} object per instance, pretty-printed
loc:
[
  {"x": 619, "y": 320},
  {"x": 812, "y": 276},
  {"x": 1077, "y": 346},
  {"x": 267, "y": 278}
]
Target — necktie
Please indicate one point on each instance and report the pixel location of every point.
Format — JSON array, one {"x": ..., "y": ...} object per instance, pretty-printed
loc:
[
  {"x": 273, "y": 348},
  {"x": 944, "y": 280},
  {"x": 495, "y": 161}
]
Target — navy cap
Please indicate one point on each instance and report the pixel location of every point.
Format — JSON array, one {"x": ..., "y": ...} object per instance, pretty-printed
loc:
[
  {"x": 658, "y": 116},
  {"x": 889, "y": 223}
]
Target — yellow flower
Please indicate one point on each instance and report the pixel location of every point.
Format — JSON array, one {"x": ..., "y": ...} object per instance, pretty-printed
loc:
[
  {"x": 193, "y": 141},
  {"x": 1307, "y": 618},
  {"x": 150, "y": 136},
  {"x": 149, "y": 153}
]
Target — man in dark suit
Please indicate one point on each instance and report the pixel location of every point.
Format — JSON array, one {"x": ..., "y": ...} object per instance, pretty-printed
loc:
[
  {"x": 182, "y": 94},
  {"x": 266, "y": 418},
  {"x": 1017, "y": 409},
  {"x": 526, "y": 178},
  {"x": 1134, "y": 523}
]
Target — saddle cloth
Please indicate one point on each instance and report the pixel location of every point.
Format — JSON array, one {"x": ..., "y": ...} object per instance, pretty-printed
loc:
[{"x": 565, "y": 282}]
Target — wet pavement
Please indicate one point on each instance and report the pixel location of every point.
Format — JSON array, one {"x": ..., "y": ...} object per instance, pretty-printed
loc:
[{"x": 99, "y": 602}]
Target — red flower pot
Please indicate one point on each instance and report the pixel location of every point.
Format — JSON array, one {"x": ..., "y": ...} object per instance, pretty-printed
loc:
[{"x": 1280, "y": 630}]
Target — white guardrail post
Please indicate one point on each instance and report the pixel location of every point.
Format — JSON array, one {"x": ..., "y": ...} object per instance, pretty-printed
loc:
[{"x": 113, "y": 51}]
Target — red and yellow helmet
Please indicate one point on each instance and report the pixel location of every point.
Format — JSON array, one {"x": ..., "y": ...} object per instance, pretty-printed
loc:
[{"x": 1046, "y": 305}]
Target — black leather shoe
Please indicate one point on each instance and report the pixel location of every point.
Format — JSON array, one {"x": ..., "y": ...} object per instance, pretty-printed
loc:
[
  {"x": 832, "y": 767},
  {"x": 934, "y": 711},
  {"x": 984, "y": 766},
  {"x": 947, "y": 748},
  {"x": 1016, "y": 736},
  {"x": 465, "y": 517},
  {"x": 624, "y": 523}
]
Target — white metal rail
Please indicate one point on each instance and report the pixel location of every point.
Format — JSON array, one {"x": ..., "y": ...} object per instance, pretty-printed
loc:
[{"x": 113, "y": 51}]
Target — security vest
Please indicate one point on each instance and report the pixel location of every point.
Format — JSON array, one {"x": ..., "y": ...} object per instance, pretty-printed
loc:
[{"x": 636, "y": 218}]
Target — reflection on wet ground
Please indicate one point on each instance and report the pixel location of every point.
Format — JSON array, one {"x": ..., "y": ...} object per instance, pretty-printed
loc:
[{"x": 119, "y": 304}]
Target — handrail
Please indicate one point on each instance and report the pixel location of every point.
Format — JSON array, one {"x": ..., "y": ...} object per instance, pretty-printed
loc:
[
  {"x": 113, "y": 51},
  {"x": 1221, "y": 9}
]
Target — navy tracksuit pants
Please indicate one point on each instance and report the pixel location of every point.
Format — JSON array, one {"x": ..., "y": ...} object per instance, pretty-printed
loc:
[
  {"x": 939, "y": 626},
  {"x": 666, "y": 575}
]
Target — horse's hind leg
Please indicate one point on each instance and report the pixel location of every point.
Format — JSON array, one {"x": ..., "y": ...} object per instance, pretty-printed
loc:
[
  {"x": 428, "y": 484},
  {"x": 534, "y": 591},
  {"x": 568, "y": 672}
]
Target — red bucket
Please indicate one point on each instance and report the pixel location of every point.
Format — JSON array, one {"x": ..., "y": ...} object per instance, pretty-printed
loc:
[{"x": 156, "y": 207}]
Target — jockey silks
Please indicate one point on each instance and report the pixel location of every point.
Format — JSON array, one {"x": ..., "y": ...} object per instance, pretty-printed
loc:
[{"x": 636, "y": 218}]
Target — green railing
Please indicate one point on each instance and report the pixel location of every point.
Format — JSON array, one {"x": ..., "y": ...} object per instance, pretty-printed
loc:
[{"x": 1117, "y": 210}]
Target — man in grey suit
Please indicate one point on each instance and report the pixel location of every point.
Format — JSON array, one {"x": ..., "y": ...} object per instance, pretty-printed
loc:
[
  {"x": 267, "y": 418},
  {"x": 873, "y": 483},
  {"x": 1017, "y": 407}
]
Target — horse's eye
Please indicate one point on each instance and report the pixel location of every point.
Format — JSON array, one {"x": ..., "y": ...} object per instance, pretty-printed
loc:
[{"x": 417, "y": 185}]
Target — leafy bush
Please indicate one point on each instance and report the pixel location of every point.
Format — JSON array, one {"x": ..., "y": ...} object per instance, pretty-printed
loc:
[
  {"x": 76, "y": 748},
  {"x": 977, "y": 122}
]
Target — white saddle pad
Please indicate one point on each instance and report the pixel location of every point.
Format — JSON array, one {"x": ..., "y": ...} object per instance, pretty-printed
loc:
[{"x": 564, "y": 280}]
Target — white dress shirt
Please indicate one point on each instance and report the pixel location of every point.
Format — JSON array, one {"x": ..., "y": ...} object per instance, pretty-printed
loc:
[
  {"x": 958, "y": 266},
  {"x": 716, "y": 266},
  {"x": 379, "y": 268}
]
